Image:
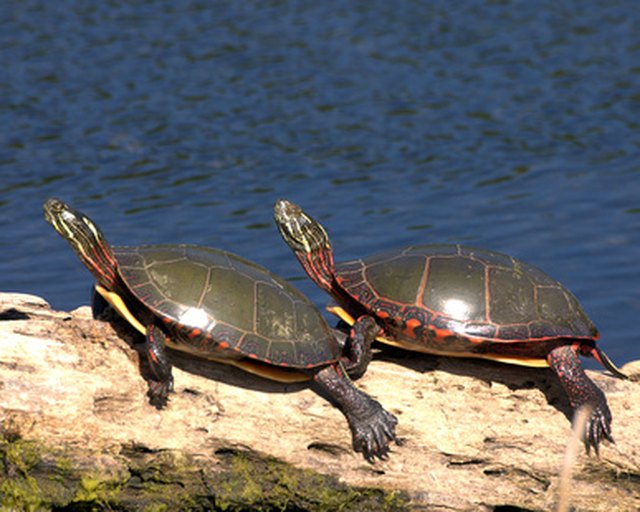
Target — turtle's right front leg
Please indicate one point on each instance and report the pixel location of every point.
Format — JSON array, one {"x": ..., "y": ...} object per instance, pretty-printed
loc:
[
  {"x": 358, "y": 346},
  {"x": 162, "y": 385},
  {"x": 372, "y": 427}
]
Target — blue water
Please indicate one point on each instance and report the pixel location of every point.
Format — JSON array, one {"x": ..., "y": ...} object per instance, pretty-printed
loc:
[{"x": 510, "y": 125}]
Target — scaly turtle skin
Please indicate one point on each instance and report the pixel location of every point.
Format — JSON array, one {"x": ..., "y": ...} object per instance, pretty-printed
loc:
[
  {"x": 460, "y": 301},
  {"x": 216, "y": 305}
]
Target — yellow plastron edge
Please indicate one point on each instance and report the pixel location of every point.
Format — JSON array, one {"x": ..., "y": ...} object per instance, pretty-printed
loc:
[
  {"x": 267, "y": 371},
  {"x": 521, "y": 361}
]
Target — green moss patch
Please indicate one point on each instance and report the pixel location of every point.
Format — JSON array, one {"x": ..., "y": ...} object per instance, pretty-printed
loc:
[
  {"x": 252, "y": 482},
  {"x": 34, "y": 477}
]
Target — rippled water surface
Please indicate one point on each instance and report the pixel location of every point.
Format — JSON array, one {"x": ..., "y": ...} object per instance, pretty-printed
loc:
[{"x": 509, "y": 125}]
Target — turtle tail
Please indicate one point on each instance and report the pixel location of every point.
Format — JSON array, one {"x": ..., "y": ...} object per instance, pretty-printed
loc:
[{"x": 597, "y": 353}]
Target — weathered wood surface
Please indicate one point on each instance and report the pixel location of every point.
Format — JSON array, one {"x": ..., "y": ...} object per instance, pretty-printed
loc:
[{"x": 477, "y": 435}]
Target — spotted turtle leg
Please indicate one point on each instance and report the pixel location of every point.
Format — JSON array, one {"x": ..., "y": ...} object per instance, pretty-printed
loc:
[
  {"x": 581, "y": 391},
  {"x": 162, "y": 385},
  {"x": 372, "y": 427},
  {"x": 358, "y": 346}
]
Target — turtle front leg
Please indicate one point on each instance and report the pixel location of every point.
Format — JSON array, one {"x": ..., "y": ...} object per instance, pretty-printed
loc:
[
  {"x": 162, "y": 385},
  {"x": 582, "y": 391},
  {"x": 372, "y": 427},
  {"x": 358, "y": 346}
]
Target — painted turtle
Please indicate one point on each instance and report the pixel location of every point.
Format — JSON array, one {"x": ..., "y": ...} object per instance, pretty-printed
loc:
[
  {"x": 216, "y": 305},
  {"x": 460, "y": 301}
]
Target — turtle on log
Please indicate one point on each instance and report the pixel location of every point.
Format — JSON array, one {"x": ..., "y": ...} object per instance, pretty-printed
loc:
[
  {"x": 459, "y": 301},
  {"x": 218, "y": 306}
]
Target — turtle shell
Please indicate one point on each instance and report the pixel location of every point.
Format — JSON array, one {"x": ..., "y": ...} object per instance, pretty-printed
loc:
[
  {"x": 215, "y": 301},
  {"x": 435, "y": 294}
]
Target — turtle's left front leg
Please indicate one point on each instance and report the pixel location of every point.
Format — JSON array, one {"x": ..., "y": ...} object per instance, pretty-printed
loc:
[
  {"x": 581, "y": 390},
  {"x": 162, "y": 385},
  {"x": 372, "y": 427}
]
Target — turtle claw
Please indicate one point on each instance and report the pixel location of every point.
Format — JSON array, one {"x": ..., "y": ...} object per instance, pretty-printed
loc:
[
  {"x": 598, "y": 428},
  {"x": 372, "y": 437},
  {"x": 371, "y": 453},
  {"x": 159, "y": 392}
]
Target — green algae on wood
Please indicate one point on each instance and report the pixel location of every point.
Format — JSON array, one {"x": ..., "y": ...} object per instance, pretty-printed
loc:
[
  {"x": 35, "y": 477},
  {"x": 269, "y": 484}
]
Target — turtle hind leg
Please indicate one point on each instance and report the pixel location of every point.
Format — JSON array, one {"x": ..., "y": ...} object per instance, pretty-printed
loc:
[
  {"x": 358, "y": 346},
  {"x": 582, "y": 391},
  {"x": 372, "y": 427}
]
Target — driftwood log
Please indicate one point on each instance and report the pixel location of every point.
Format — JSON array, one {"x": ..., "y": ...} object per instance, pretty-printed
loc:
[{"x": 77, "y": 433}]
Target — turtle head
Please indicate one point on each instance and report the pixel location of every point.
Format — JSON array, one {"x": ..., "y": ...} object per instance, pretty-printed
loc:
[
  {"x": 300, "y": 231},
  {"x": 84, "y": 237},
  {"x": 308, "y": 240}
]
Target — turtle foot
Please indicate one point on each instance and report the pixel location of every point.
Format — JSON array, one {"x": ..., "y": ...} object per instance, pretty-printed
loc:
[
  {"x": 159, "y": 392},
  {"x": 372, "y": 435},
  {"x": 598, "y": 427},
  {"x": 372, "y": 427}
]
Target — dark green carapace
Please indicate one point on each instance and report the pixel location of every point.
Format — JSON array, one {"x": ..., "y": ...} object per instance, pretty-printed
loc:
[
  {"x": 465, "y": 291},
  {"x": 229, "y": 299}
]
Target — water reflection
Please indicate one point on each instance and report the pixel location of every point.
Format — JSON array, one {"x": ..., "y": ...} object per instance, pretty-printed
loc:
[{"x": 510, "y": 125}]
